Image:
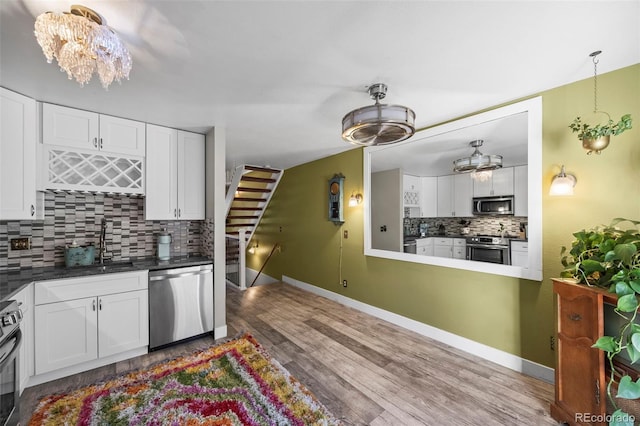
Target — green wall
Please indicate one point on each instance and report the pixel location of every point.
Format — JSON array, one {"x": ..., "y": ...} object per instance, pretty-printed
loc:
[{"x": 510, "y": 314}]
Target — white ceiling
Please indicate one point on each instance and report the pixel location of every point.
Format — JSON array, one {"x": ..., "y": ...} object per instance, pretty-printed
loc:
[{"x": 281, "y": 75}]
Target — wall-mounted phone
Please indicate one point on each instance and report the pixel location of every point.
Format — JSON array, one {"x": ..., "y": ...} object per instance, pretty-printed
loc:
[{"x": 336, "y": 189}]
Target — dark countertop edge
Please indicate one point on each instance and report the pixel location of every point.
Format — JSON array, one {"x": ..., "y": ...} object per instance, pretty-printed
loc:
[{"x": 11, "y": 282}]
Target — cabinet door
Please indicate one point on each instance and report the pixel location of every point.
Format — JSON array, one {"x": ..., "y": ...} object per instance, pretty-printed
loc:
[
  {"x": 445, "y": 196},
  {"x": 429, "y": 197},
  {"x": 463, "y": 193},
  {"x": 191, "y": 181},
  {"x": 17, "y": 156},
  {"x": 482, "y": 188},
  {"x": 161, "y": 201},
  {"x": 122, "y": 136},
  {"x": 123, "y": 322},
  {"x": 25, "y": 356},
  {"x": 580, "y": 378},
  {"x": 502, "y": 181},
  {"x": 521, "y": 190},
  {"x": 66, "y": 334},
  {"x": 411, "y": 188},
  {"x": 443, "y": 251},
  {"x": 69, "y": 127}
]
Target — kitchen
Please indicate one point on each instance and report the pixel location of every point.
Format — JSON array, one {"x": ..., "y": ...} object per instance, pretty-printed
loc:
[
  {"x": 106, "y": 253},
  {"x": 461, "y": 193}
]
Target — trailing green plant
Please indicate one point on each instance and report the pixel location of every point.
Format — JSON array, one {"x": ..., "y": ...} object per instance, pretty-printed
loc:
[
  {"x": 586, "y": 131},
  {"x": 609, "y": 257}
]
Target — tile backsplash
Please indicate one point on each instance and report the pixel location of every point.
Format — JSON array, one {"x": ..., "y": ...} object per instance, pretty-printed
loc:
[
  {"x": 485, "y": 225},
  {"x": 71, "y": 216}
]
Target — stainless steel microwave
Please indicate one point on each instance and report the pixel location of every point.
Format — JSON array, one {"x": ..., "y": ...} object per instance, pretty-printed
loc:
[{"x": 502, "y": 205}]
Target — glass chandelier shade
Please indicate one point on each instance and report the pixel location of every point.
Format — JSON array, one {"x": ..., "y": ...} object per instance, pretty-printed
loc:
[
  {"x": 82, "y": 44},
  {"x": 477, "y": 161}
]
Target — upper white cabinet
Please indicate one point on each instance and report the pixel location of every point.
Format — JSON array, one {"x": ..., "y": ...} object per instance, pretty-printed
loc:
[
  {"x": 455, "y": 193},
  {"x": 74, "y": 128},
  {"x": 500, "y": 183},
  {"x": 520, "y": 191},
  {"x": 175, "y": 174},
  {"x": 429, "y": 197},
  {"x": 411, "y": 190},
  {"x": 17, "y": 156}
]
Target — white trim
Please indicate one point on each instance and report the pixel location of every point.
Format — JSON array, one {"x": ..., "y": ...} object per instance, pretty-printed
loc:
[
  {"x": 220, "y": 332},
  {"x": 497, "y": 356}
]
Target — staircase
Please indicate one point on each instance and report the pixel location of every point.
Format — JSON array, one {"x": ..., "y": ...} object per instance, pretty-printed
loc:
[{"x": 248, "y": 195}]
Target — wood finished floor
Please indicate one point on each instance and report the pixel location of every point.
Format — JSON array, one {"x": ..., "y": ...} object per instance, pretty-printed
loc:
[{"x": 365, "y": 370}]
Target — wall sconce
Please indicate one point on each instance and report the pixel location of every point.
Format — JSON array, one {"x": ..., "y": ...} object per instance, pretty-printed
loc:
[
  {"x": 355, "y": 199},
  {"x": 562, "y": 183},
  {"x": 253, "y": 248}
]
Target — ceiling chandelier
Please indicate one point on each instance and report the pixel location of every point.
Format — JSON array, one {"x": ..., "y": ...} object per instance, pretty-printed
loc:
[
  {"x": 82, "y": 43},
  {"x": 378, "y": 124},
  {"x": 478, "y": 164}
]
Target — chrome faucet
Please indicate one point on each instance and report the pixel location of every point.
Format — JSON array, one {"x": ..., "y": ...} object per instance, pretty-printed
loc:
[{"x": 103, "y": 242}]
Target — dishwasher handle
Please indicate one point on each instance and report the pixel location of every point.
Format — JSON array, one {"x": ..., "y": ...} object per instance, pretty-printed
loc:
[{"x": 180, "y": 272}]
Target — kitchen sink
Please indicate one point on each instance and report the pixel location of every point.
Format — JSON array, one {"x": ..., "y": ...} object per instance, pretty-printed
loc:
[{"x": 106, "y": 267}]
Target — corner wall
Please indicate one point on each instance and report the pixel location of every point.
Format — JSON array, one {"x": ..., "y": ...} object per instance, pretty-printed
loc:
[{"x": 509, "y": 314}]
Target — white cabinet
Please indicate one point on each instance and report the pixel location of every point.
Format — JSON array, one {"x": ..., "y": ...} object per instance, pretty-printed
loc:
[
  {"x": 455, "y": 195},
  {"x": 459, "y": 248},
  {"x": 74, "y": 128},
  {"x": 521, "y": 190},
  {"x": 25, "y": 356},
  {"x": 17, "y": 156},
  {"x": 429, "y": 197},
  {"x": 443, "y": 247},
  {"x": 424, "y": 246},
  {"x": 500, "y": 183},
  {"x": 175, "y": 174},
  {"x": 520, "y": 253},
  {"x": 83, "y": 319},
  {"x": 411, "y": 190}
]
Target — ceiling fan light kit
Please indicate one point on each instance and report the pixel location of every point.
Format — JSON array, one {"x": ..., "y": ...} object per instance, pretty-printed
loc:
[
  {"x": 477, "y": 161},
  {"x": 378, "y": 124}
]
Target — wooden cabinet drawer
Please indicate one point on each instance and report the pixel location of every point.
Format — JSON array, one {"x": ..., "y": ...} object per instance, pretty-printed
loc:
[
  {"x": 459, "y": 242},
  {"x": 91, "y": 286},
  {"x": 519, "y": 245},
  {"x": 444, "y": 242}
]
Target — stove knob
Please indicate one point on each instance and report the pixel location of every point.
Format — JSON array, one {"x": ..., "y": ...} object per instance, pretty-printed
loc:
[{"x": 7, "y": 320}]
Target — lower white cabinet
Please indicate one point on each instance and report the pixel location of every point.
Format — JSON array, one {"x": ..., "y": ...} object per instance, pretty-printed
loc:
[
  {"x": 520, "y": 253},
  {"x": 83, "y": 319},
  {"x": 459, "y": 248},
  {"x": 424, "y": 246},
  {"x": 443, "y": 247},
  {"x": 25, "y": 356}
]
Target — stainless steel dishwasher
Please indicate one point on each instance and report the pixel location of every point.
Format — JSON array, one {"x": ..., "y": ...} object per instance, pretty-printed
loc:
[{"x": 180, "y": 304}]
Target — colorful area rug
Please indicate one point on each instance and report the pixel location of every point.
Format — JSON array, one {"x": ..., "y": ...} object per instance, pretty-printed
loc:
[{"x": 235, "y": 383}]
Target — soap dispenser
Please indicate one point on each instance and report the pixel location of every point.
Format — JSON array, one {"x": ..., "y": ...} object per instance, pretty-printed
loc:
[{"x": 164, "y": 245}]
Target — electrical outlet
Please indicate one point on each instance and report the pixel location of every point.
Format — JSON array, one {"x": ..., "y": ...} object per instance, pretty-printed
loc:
[
  {"x": 20, "y": 243},
  {"x": 346, "y": 234},
  {"x": 344, "y": 283},
  {"x": 552, "y": 343}
]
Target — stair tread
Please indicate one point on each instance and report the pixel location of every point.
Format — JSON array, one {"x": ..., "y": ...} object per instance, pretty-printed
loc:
[
  {"x": 242, "y": 217},
  {"x": 257, "y": 179},
  {"x": 247, "y": 189},
  {"x": 261, "y": 200},
  {"x": 262, "y": 169},
  {"x": 234, "y": 225},
  {"x": 246, "y": 208}
]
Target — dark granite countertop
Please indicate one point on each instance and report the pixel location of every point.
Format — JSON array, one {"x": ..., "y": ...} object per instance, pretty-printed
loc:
[{"x": 13, "y": 281}]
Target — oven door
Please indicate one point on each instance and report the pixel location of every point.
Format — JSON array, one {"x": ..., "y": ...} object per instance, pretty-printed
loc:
[
  {"x": 488, "y": 253},
  {"x": 9, "y": 389}
]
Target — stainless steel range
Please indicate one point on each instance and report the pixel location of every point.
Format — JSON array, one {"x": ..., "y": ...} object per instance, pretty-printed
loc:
[
  {"x": 10, "y": 338},
  {"x": 488, "y": 248}
]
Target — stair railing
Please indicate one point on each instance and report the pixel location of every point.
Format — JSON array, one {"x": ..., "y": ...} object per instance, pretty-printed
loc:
[{"x": 276, "y": 246}]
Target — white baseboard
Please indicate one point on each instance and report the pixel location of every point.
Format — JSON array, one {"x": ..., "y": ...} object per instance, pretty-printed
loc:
[{"x": 481, "y": 350}]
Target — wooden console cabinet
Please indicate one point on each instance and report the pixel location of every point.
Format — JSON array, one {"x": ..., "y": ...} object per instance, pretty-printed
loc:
[{"x": 580, "y": 369}]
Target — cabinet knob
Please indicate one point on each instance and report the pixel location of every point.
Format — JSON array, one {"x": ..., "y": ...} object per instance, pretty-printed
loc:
[
  {"x": 95, "y": 142},
  {"x": 100, "y": 143},
  {"x": 100, "y": 304},
  {"x": 179, "y": 213},
  {"x": 33, "y": 210},
  {"x": 93, "y": 305}
]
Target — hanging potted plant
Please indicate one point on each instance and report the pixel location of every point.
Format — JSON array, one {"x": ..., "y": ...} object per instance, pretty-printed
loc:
[
  {"x": 609, "y": 257},
  {"x": 596, "y": 138}
]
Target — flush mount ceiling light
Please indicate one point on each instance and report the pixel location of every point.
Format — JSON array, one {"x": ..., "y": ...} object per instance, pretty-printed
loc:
[
  {"x": 378, "y": 124},
  {"x": 477, "y": 162},
  {"x": 82, "y": 43}
]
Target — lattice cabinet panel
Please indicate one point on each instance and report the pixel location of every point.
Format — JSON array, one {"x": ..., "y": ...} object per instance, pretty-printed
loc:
[{"x": 92, "y": 171}]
